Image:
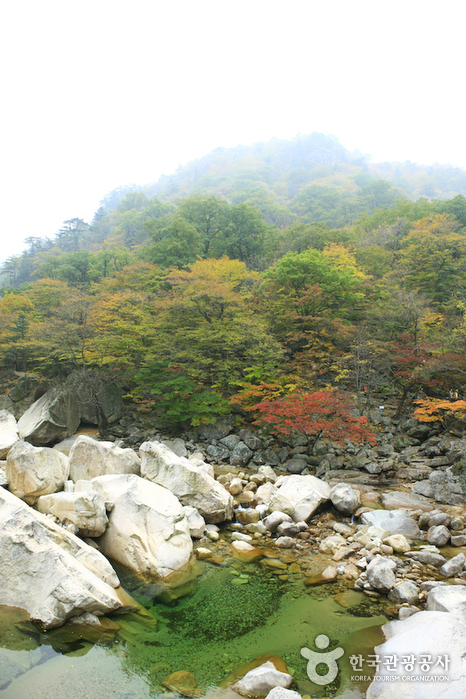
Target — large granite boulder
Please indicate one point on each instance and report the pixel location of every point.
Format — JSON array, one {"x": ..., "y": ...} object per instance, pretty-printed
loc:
[
  {"x": 189, "y": 482},
  {"x": 429, "y": 634},
  {"x": 35, "y": 471},
  {"x": 147, "y": 531},
  {"x": 86, "y": 510},
  {"x": 90, "y": 458},
  {"x": 305, "y": 494},
  {"x": 392, "y": 521},
  {"x": 48, "y": 571},
  {"x": 8, "y": 433},
  {"x": 106, "y": 395},
  {"x": 54, "y": 416}
]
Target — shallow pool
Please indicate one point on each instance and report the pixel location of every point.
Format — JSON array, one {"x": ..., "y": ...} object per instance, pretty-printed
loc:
[{"x": 236, "y": 612}]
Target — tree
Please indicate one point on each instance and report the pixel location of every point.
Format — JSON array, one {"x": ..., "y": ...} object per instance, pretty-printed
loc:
[
  {"x": 433, "y": 257},
  {"x": 176, "y": 242},
  {"x": 321, "y": 414},
  {"x": 206, "y": 335},
  {"x": 209, "y": 215},
  {"x": 73, "y": 235}
]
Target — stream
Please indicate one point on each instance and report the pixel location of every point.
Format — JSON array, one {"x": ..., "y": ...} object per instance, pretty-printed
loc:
[{"x": 235, "y": 612}]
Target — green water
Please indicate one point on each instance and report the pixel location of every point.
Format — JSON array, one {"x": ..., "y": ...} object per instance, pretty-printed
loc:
[{"x": 237, "y": 612}]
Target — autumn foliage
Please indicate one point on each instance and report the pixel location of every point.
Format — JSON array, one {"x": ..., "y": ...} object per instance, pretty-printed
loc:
[
  {"x": 435, "y": 410},
  {"x": 322, "y": 413}
]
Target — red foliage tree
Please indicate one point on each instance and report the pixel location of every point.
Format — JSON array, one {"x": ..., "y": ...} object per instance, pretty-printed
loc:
[{"x": 323, "y": 414}]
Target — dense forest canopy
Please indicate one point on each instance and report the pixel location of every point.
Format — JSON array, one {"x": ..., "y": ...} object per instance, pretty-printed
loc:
[{"x": 250, "y": 275}]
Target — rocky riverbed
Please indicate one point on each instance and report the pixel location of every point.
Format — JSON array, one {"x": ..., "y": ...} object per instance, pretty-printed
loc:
[{"x": 386, "y": 523}]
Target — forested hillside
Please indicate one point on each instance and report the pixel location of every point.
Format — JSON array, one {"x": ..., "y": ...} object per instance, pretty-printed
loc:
[{"x": 252, "y": 275}]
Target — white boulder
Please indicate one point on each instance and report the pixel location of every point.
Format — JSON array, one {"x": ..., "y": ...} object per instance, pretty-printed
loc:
[
  {"x": 147, "y": 530},
  {"x": 90, "y": 458},
  {"x": 305, "y": 494},
  {"x": 35, "y": 471},
  {"x": 191, "y": 484},
  {"x": 434, "y": 634},
  {"x": 392, "y": 521},
  {"x": 8, "y": 432},
  {"x": 259, "y": 681},
  {"x": 49, "y": 572},
  {"x": 86, "y": 510}
]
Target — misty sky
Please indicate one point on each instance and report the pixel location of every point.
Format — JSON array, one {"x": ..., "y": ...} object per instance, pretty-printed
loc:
[{"x": 102, "y": 93}]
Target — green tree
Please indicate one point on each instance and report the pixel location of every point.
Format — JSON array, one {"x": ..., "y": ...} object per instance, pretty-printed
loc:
[{"x": 175, "y": 242}]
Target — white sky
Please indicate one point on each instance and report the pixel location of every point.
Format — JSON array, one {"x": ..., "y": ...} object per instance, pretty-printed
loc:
[{"x": 102, "y": 93}]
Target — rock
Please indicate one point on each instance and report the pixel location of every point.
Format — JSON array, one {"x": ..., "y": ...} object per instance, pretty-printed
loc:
[
  {"x": 331, "y": 544},
  {"x": 235, "y": 487},
  {"x": 106, "y": 395},
  {"x": 268, "y": 472},
  {"x": 241, "y": 455},
  {"x": 380, "y": 574},
  {"x": 398, "y": 542},
  {"x": 295, "y": 465},
  {"x": 282, "y": 693},
  {"x": 290, "y": 528},
  {"x": 35, "y": 471},
  {"x": 49, "y": 572},
  {"x": 230, "y": 441},
  {"x": 202, "y": 553},
  {"x": 438, "y": 536},
  {"x": 3, "y": 478},
  {"x": 285, "y": 542},
  {"x": 424, "y": 488},
  {"x": 53, "y": 417},
  {"x": 426, "y": 633},
  {"x": 177, "y": 446},
  {"x": 86, "y": 510},
  {"x": 90, "y": 458},
  {"x": 249, "y": 516},
  {"x": 182, "y": 682},
  {"x": 220, "y": 429},
  {"x": 275, "y": 519},
  {"x": 405, "y": 612},
  {"x": 65, "y": 445},
  {"x": 196, "y": 522},
  {"x": 406, "y": 591},
  {"x": 439, "y": 518},
  {"x": 305, "y": 494},
  {"x": 147, "y": 531},
  {"x": 428, "y": 558},
  {"x": 454, "y": 566},
  {"x": 397, "y": 500},
  {"x": 459, "y": 540},
  {"x": 392, "y": 521},
  {"x": 239, "y": 536},
  {"x": 259, "y": 681},
  {"x": 344, "y": 498},
  {"x": 265, "y": 493},
  {"x": 218, "y": 453},
  {"x": 191, "y": 485},
  {"x": 8, "y": 433},
  {"x": 447, "y": 598},
  {"x": 6, "y": 404}
]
